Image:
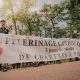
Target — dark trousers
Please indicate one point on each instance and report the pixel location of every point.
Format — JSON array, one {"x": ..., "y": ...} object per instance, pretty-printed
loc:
[
  {"x": 0, "y": 66},
  {"x": 18, "y": 65}
]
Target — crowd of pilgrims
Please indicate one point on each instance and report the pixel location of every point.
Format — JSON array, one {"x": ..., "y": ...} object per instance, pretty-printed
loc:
[{"x": 55, "y": 34}]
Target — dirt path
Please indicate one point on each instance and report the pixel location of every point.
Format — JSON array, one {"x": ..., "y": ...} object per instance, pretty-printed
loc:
[{"x": 66, "y": 71}]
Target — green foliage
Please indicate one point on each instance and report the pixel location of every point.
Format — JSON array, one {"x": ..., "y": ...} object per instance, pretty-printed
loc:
[
  {"x": 45, "y": 20},
  {"x": 52, "y": 13}
]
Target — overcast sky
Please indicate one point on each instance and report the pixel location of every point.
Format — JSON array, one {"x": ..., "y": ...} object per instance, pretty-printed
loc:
[{"x": 39, "y": 3}]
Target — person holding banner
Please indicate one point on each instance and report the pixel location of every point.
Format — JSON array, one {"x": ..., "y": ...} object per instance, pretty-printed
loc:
[
  {"x": 68, "y": 35},
  {"x": 34, "y": 33},
  {"x": 3, "y": 28},
  {"x": 55, "y": 34},
  {"x": 4, "y": 31},
  {"x": 78, "y": 37},
  {"x": 77, "y": 58}
]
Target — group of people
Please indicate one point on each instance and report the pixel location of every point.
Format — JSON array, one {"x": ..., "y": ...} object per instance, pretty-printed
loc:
[{"x": 55, "y": 34}]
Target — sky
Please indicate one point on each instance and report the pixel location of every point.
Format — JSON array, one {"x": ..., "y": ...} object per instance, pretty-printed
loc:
[
  {"x": 39, "y": 3},
  {"x": 0, "y": 2}
]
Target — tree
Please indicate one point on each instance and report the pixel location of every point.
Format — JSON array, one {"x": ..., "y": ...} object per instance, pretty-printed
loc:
[
  {"x": 11, "y": 6},
  {"x": 73, "y": 13},
  {"x": 52, "y": 13}
]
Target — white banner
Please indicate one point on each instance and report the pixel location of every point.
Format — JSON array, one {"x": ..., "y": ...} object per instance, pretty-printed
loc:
[{"x": 14, "y": 49}]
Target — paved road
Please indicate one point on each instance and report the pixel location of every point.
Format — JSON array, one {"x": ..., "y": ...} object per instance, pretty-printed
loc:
[{"x": 65, "y": 71}]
